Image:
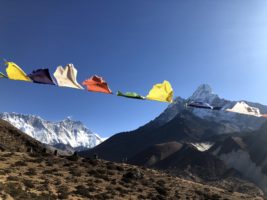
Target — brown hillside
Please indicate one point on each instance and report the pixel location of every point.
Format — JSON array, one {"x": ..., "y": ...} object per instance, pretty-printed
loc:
[
  {"x": 12, "y": 139},
  {"x": 29, "y": 178}
]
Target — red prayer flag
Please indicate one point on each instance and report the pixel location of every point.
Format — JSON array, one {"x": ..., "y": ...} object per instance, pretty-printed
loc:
[{"x": 97, "y": 84}]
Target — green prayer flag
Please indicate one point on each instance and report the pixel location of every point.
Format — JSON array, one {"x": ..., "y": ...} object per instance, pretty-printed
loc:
[
  {"x": 132, "y": 95},
  {"x": 2, "y": 75}
]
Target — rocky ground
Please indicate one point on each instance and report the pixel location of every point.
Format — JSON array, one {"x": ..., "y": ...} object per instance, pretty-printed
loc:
[{"x": 33, "y": 176}]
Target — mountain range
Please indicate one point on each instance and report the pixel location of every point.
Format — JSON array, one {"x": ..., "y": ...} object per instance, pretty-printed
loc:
[
  {"x": 201, "y": 145},
  {"x": 207, "y": 145},
  {"x": 63, "y": 134}
]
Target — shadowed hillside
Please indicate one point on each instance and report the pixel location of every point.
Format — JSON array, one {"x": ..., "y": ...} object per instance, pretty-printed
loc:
[
  {"x": 155, "y": 154},
  {"x": 13, "y": 139},
  {"x": 247, "y": 154},
  {"x": 184, "y": 127}
]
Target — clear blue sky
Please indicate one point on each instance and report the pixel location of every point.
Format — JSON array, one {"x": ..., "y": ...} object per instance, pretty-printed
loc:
[{"x": 133, "y": 44}]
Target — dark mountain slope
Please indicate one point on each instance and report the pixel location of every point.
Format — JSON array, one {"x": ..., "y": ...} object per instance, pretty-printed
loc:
[
  {"x": 181, "y": 158},
  {"x": 229, "y": 144},
  {"x": 257, "y": 147},
  {"x": 167, "y": 115},
  {"x": 184, "y": 127},
  {"x": 154, "y": 154},
  {"x": 247, "y": 154},
  {"x": 186, "y": 161},
  {"x": 201, "y": 164}
]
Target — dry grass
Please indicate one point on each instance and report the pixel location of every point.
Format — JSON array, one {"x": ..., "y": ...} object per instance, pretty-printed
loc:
[{"x": 49, "y": 177}]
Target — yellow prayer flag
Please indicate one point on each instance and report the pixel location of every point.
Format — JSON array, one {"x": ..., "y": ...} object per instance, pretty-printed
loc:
[
  {"x": 14, "y": 72},
  {"x": 161, "y": 92}
]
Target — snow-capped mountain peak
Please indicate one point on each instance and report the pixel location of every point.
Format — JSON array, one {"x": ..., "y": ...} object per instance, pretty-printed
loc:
[
  {"x": 232, "y": 121},
  {"x": 67, "y": 131},
  {"x": 204, "y": 93}
]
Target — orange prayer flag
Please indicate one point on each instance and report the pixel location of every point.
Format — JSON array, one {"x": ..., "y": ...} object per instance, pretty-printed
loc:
[{"x": 97, "y": 84}]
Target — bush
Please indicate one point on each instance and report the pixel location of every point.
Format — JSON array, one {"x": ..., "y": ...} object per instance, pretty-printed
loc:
[
  {"x": 161, "y": 190},
  {"x": 63, "y": 192},
  {"x": 15, "y": 190},
  {"x": 28, "y": 183},
  {"x": 10, "y": 154},
  {"x": 134, "y": 174},
  {"x": 111, "y": 190},
  {"x": 111, "y": 166},
  {"x": 75, "y": 172},
  {"x": 140, "y": 196},
  {"x": 113, "y": 181},
  {"x": 12, "y": 178},
  {"x": 121, "y": 190},
  {"x": 57, "y": 182},
  {"x": 98, "y": 181},
  {"x": 49, "y": 163},
  {"x": 103, "y": 176},
  {"x": 5, "y": 171},
  {"x": 215, "y": 196},
  {"x": 1, "y": 186},
  {"x": 97, "y": 174},
  {"x": 3, "y": 159},
  {"x": 31, "y": 172},
  {"x": 36, "y": 160},
  {"x": 161, "y": 182},
  {"x": 111, "y": 173},
  {"x": 48, "y": 171},
  {"x": 67, "y": 164},
  {"x": 92, "y": 162},
  {"x": 145, "y": 182},
  {"x": 83, "y": 191},
  {"x": 119, "y": 168},
  {"x": 20, "y": 163},
  {"x": 45, "y": 196},
  {"x": 42, "y": 187},
  {"x": 73, "y": 158},
  {"x": 102, "y": 196},
  {"x": 92, "y": 172},
  {"x": 101, "y": 171},
  {"x": 91, "y": 188}
]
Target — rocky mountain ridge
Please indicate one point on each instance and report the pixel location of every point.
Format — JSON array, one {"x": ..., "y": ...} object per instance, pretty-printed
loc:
[
  {"x": 193, "y": 128},
  {"x": 67, "y": 131}
]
